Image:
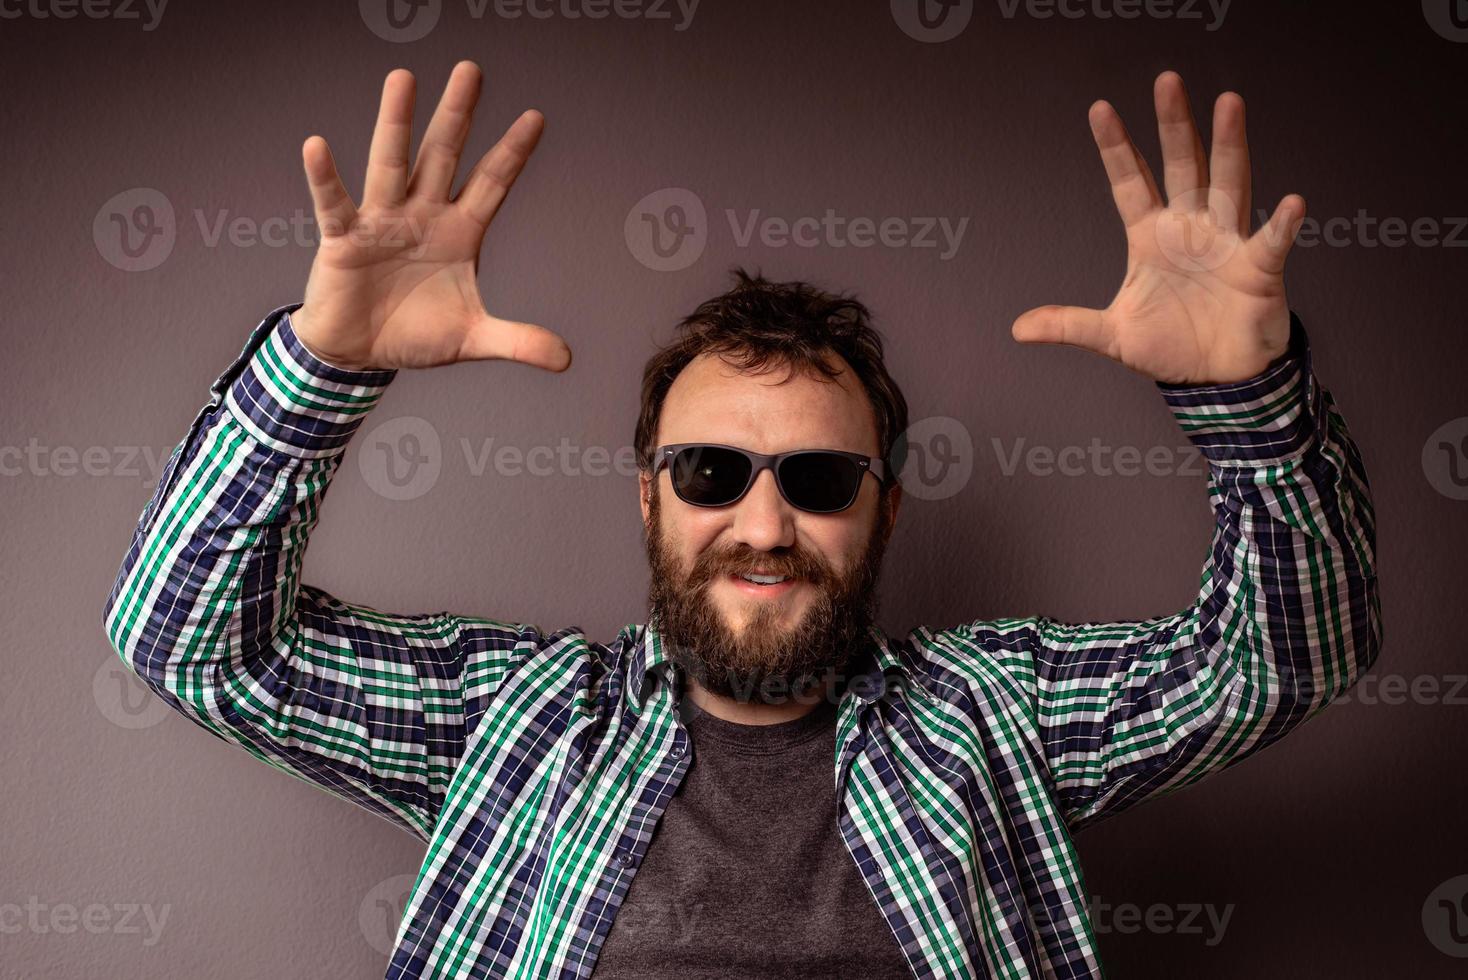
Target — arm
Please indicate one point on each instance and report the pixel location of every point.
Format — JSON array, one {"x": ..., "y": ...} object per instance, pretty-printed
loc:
[
  {"x": 1288, "y": 615},
  {"x": 209, "y": 612},
  {"x": 208, "y": 608}
]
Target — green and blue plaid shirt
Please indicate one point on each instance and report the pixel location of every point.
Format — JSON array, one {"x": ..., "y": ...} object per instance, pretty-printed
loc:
[{"x": 536, "y": 765}]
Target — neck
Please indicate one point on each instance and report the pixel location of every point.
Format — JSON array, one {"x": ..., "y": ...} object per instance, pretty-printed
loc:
[{"x": 756, "y": 713}]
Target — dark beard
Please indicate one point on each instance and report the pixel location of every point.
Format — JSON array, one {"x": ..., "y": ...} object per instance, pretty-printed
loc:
[{"x": 764, "y": 663}]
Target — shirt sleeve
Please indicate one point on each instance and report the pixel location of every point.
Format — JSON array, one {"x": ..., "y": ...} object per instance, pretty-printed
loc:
[
  {"x": 208, "y": 610},
  {"x": 1287, "y": 616}
]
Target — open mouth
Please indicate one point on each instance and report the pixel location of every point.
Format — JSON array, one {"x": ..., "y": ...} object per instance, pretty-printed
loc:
[{"x": 765, "y": 586}]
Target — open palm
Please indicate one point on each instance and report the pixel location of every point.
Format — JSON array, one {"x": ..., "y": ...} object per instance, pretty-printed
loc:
[
  {"x": 395, "y": 281},
  {"x": 1203, "y": 300}
]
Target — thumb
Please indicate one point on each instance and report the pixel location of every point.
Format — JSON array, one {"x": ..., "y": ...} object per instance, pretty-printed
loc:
[
  {"x": 1077, "y": 326},
  {"x": 510, "y": 340},
  {"x": 1271, "y": 243}
]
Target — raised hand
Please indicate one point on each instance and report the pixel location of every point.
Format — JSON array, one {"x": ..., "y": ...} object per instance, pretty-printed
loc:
[
  {"x": 394, "y": 282},
  {"x": 1203, "y": 301}
]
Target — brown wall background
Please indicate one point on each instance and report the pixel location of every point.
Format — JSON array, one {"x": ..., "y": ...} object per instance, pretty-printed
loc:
[{"x": 1323, "y": 851}]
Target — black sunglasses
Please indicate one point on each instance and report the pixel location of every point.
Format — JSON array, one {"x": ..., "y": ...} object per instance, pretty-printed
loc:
[{"x": 821, "y": 481}]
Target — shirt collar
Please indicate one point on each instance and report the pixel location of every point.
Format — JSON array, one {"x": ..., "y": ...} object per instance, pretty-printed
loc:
[{"x": 873, "y": 669}]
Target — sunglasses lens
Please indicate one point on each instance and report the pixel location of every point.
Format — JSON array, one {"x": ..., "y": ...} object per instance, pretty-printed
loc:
[
  {"x": 709, "y": 476},
  {"x": 820, "y": 482}
]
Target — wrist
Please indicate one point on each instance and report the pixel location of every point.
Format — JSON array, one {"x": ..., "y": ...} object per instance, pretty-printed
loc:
[
  {"x": 287, "y": 399},
  {"x": 302, "y": 325},
  {"x": 1270, "y": 418}
]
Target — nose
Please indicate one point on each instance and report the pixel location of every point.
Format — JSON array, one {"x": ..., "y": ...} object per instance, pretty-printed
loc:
[{"x": 762, "y": 519}]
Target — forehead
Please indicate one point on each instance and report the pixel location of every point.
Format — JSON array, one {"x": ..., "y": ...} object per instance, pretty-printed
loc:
[{"x": 771, "y": 411}]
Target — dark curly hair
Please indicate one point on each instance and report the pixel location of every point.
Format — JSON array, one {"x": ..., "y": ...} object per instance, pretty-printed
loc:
[{"x": 759, "y": 323}]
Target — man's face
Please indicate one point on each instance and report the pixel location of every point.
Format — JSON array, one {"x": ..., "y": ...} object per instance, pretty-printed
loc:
[{"x": 756, "y": 642}]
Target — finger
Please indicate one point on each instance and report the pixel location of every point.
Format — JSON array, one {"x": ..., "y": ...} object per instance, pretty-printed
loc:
[
  {"x": 510, "y": 340},
  {"x": 1271, "y": 244},
  {"x": 443, "y": 141},
  {"x": 1132, "y": 186},
  {"x": 334, "y": 209},
  {"x": 387, "y": 161},
  {"x": 1184, "y": 167},
  {"x": 1229, "y": 191},
  {"x": 1076, "y": 326},
  {"x": 495, "y": 173}
]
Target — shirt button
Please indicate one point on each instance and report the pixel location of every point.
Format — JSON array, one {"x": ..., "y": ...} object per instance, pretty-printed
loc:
[
  {"x": 622, "y": 858},
  {"x": 678, "y": 752}
]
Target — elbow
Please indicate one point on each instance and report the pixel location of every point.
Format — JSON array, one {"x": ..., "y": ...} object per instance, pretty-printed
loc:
[
  {"x": 1359, "y": 648},
  {"x": 133, "y": 636},
  {"x": 1368, "y": 639},
  {"x": 114, "y": 623},
  {"x": 1325, "y": 656}
]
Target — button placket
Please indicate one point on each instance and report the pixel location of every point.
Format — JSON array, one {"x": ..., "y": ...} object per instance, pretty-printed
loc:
[{"x": 675, "y": 766}]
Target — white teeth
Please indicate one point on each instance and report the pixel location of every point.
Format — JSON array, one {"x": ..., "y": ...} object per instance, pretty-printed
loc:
[{"x": 764, "y": 579}]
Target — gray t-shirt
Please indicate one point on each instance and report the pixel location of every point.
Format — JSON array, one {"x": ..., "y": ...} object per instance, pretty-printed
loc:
[{"x": 747, "y": 874}]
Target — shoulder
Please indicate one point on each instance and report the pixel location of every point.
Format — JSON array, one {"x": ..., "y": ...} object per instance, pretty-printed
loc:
[{"x": 982, "y": 657}]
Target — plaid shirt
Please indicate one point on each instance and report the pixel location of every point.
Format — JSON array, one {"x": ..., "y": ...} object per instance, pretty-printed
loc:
[{"x": 536, "y": 765}]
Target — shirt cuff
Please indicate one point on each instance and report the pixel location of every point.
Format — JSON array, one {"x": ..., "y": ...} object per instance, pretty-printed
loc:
[
  {"x": 289, "y": 399},
  {"x": 1271, "y": 418}
]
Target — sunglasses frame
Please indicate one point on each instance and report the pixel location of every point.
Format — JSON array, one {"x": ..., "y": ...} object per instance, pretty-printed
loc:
[{"x": 664, "y": 455}]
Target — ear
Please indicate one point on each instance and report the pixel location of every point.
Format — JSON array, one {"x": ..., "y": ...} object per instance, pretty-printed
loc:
[{"x": 644, "y": 495}]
